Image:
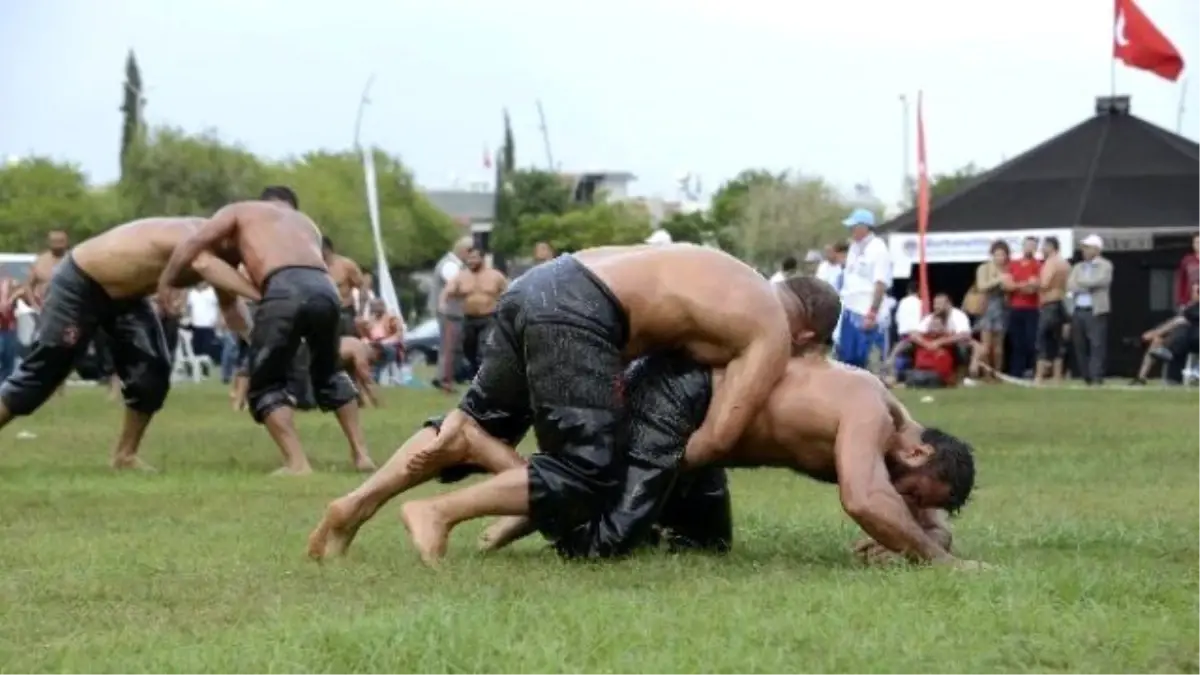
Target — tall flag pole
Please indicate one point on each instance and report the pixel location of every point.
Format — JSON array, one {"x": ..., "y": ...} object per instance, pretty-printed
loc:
[
  {"x": 387, "y": 290},
  {"x": 922, "y": 207}
]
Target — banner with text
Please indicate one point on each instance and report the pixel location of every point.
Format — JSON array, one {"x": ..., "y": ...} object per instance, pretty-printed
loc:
[{"x": 964, "y": 247}]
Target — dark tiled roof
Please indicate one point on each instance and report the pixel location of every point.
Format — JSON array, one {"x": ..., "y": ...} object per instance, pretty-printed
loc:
[{"x": 1112, "y": 170}]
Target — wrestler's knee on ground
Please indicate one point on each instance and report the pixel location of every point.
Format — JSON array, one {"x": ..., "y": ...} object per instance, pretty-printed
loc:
[
  {"x": 699, "y": 514},
  {"x": 336, "y": 391}
]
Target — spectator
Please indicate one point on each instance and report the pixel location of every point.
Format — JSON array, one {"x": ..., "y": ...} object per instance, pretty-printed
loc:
[
  {"x": 787, "y": 268},
  {"x": 1023, "y": 310},
  {"x": 1052, "y": 312},
  {"x": 831, "y": 267},
  {"x": 542, "y": 251},
  {"x": 1174, "y": 339},
  {"x": 1189, "y": 274},
  {"x": 363, "y": 296},
  {"x": 10, "y": 293},
  {"x": 865, "y": 281},
  {"x": 1090, "y": 280},
  {"x": 933, "y": 355},
  {"x": 909, "y": 312},
  {"x": 993, "y": 281},
  {"x": 957, "y": 326},
  {"x": 449, "y": 313},
  {"x": 204, "y": 313},
  {"x": 385, "y": 333}
]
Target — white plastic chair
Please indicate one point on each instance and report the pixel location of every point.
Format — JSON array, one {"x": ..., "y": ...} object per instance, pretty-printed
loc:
[{"x": 186, "y": 358}]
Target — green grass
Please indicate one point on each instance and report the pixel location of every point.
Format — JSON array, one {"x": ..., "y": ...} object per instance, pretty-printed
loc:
[{"x": 1086, "y": 499}]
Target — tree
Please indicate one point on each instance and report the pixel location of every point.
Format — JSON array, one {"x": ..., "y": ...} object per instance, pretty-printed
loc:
[
  {"x": 697, "y": 228},
  {"x": 171, "y": 173},
  {"x": 132, "y": 106},
  {"x": 599, "y": 224},
  {"x": 527, "y": 193},
  {"x": 509, "y": 150},
  {"x": 943, "y": 184},
  {"x": 37, "y": 195},
  {"x": 332, "y": 192},
  {"x": 787, "y": 217},
  {"x": 728, "y": 200}
]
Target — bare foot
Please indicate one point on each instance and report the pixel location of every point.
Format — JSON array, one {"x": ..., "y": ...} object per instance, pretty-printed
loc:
[
  {"x": 290, "y": 471},
  {"x": 503, "y": 532},
  {"x": 336, "y": 530},
  {"x": 428, "y": 530},
  {"x": 364, "y": 464},
  {"x": 124, "y": 462}
]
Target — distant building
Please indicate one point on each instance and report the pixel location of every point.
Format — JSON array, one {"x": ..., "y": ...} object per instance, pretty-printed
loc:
[{"x": 614, "y": 185}]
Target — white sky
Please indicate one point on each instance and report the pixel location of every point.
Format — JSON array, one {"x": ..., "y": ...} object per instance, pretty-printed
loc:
[{"x": 656, "y": 87}]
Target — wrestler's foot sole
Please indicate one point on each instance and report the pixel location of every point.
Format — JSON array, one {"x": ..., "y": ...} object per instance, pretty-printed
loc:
[
  {"x": 336, "y": 531},
  {"x": 428, "y": 530},
  {"x": 503, "y": 532}
]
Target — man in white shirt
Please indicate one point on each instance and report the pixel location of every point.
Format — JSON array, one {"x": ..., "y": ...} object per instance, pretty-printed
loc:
[
  {"x": 865, "y": 281},
  {"x": 909, "y": 312},
  {"x": 786, "y": 269},
  {"x": 958, "y": 325},
  {"x": 831, "y": 266},
  {"x": 449, "y": 313},
  {"x": 203, "y": 313}
]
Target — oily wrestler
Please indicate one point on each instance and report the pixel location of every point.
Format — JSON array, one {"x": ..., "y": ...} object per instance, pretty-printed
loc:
[
  {"x": 565, "y": 330},
  {"x": 281, "y": 250},
  {"x": 105, "y": 284},
  {"x": 478, "y": 288},
  {"x": 833, "y": 423},
  {"x": 347, "y": 277}
]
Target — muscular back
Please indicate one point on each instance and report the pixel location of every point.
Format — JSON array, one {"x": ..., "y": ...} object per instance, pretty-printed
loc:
[
  {"x": 270, "y": 236},
  {"x": 685, "y": 296},
  {"x": 128, "y": 259},
  {"x": 798, "y": 427}
]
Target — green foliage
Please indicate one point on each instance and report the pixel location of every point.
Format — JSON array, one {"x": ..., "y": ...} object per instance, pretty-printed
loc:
[
  {"x": 599, "y": 224},
  {"x": 786, "y": 216},
  {"x": 698, "y": 228},
  {"x": 172, "y": 173},
  {"x": 39, "y": 194},
  {"x": 729, "y": 199},
  {"x": 943, "y": 184},
  {"x": 527, "y": 193},
  {"x": 132, "y": 105}
]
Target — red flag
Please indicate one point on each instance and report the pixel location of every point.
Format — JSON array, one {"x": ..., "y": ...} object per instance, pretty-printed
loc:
[
  {"x": 487, "y": 158},
  {"x": 922, "y": 207},
  {"x": 1138, "y": 43}
]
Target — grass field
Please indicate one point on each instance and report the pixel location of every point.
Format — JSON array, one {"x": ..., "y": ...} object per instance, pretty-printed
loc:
[{"x": 1087, "y": 500}]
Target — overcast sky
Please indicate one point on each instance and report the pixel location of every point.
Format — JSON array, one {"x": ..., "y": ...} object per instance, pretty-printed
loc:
[{"x": 655, "y": 87}]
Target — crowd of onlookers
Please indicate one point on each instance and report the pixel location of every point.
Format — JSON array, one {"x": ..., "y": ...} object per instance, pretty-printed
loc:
[{"x": 1028, "y": 315}]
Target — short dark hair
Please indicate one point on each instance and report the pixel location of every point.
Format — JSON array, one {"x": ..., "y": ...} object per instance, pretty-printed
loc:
[
  {"x": 280, "y": 193},
  {"x": 788, "y": 264},
  {"x": 820, "y": 304},
  {"x": 952, "y": 462},
  {"x": 1031, "y": 238},
  {"x": 841, "y": 246},
  {"x": 1000, "y": 245},
  {"x": 1051, "y": 241},
  {"x": 327, "y": 244}
]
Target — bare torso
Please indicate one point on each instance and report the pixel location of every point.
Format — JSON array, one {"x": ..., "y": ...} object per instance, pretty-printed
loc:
[
  {"x": 798, "y": 427},
  {"x": 683, "y": 296},
  {"x": 480, "y": 291},
  {"x": 1054, "y": 274},
  {"x": 40, "y": 272},
  {"x": 347, "y": 276},
  {"x": 128, "y": 259},
  {"x": 270, "y": 237}
]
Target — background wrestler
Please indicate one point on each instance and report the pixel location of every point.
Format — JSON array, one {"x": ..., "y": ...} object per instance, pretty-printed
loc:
[
  {"x": 105, "y": 284},
  {"x": 562, "y": 334},
  {"x": 478, "y": 288},
  {"x": 348, "y": 277},
  {"x": 830, "y": 422},
  {"x": 281, "y": 250}
]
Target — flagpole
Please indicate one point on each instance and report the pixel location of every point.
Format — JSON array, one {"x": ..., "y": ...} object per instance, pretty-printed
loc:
[
  {"x": 1182, "y": 105},
  {"x": 1114, "y": 38}
]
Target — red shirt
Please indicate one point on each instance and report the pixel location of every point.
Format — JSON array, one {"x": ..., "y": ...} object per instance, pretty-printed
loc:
[
  {"x": 940, "y": 361},
  {"x": 1023, "y": 270},
  {"x": 1187, "y": 276}
]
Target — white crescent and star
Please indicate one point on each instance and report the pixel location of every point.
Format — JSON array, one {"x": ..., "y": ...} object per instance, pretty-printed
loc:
[{"x": 1119, "y": 30}]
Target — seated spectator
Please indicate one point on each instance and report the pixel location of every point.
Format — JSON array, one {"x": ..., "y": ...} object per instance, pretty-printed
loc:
[
  {"x": 909, "y": 312},
  {"x": 384, "y": 332},
  {"x": 1173, "y": 340},
  {"x": 957, "y": 327}
]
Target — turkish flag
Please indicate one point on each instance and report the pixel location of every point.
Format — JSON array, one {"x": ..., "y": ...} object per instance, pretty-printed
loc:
[{"x": 1139, "y": 44}]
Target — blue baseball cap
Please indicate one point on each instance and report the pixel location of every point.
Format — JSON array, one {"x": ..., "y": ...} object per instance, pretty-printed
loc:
[{"x": 860, "y": 216}]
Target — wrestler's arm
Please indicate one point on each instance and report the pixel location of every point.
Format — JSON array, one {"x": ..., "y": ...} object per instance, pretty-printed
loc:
[
  {"x": 866, "y": 488},
  {"x": 233, "y": 312},
  {"x": 224, "y": 278},
  {"x": 749, "y": 379},
  {"x": 222, "y": 225}
]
